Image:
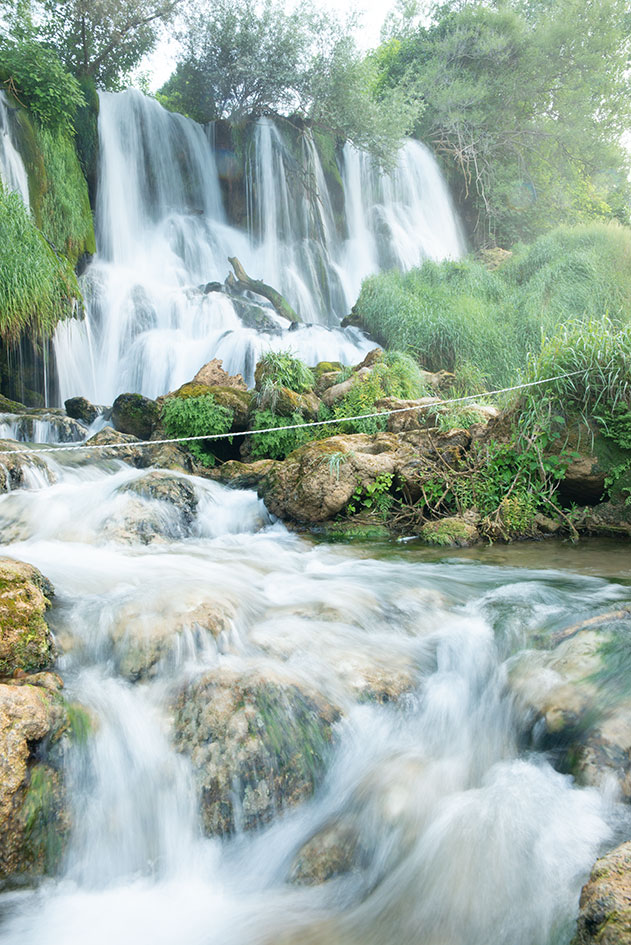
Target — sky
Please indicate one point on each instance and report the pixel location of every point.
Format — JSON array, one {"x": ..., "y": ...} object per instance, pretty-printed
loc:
[{"x": 160, "y": 65}]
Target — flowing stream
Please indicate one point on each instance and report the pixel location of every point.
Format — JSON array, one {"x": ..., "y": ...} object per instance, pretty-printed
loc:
[{"x": 465, "y": 839}]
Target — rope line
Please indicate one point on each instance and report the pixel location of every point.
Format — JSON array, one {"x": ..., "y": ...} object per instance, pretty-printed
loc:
[{"x": 63, "y": 448}]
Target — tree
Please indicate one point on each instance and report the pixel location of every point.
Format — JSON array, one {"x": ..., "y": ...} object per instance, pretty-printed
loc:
[
  {"x": 525, "y": 108},
  {"x": 99, "y": 39},
  {"x": 244, "y": 58}
]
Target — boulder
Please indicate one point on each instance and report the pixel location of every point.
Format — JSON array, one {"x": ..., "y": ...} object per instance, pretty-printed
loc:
[
  {"x": 26, "y": 643},
  {"x": 163, "y": 486},
  {"x": 135, "y": 415},
  {"x": 412, "y": 414},
  {"x": 166, "y": 456},
  {"x": 237, "y": 400},
  {"x": 241, "y": 475},
  {"x": 338, "y": 391},
  {"x": 81, "y": 409},
  {"x": 19, "y": 470},
  {"x": 286, "y": 402},
  {"x": 212, "y": 374},
  {"x": 257, "y": 743},
  {"x": 315, "y": 482},
  {"x": 604, "y": 916},
  {"x": 34, "y": 825},
  {"x": 456, "y": 531}
]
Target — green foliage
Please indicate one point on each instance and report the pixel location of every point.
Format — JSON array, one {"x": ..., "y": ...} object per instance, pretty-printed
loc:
[
  {"x": 373, "y": 497},
  {"x": 277, "y": 445},
  {"x": 41, "y": 83},
  {"x": 102, "y": 39},
  {"x": 526, "y": 117},
  {"x": 64, "y": 213},
  {"x": 196, "y": 416},
  {"x": 37, "y": 287},
  {"x": 250, "y": 58},
  {"x": 281, "y": 369},
  {"x": 482, "y": 324}
]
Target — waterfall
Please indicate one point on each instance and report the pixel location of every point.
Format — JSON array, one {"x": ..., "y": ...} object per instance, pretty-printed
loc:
[
  {"x": 162, "y": 233},
  {"x": 12, "y": 170}
]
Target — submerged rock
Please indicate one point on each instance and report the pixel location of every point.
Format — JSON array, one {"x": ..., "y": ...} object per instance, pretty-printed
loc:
[
  {"x": 26, "y": 643},
  {"x": 163, "y": 486},
  {"x": 329, "y": 853},
  {"x": 257, "y": 744},
  {"x": 605, "y": 907}
]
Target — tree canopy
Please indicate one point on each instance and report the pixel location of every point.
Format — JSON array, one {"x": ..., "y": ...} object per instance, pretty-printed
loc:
[
  {"x": 525, "y": 107},
  {"x": 99, "y": 39},
  {"x": 247, "y": 58}
]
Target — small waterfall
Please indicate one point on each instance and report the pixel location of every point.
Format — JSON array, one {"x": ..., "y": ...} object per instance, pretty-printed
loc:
[
  {"x": 12, "y": 170},
  {"x": 162, "y": 233}
]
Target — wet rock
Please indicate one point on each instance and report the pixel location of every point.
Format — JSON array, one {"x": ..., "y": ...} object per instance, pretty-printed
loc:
[
  {"x": 605, "y": 906},
  {"x": 571, "y": 708},
  {"x": 26, "y": 643},
  {"x": 135, "y": 415},
  {"x": 413, "y": 414},
  {"x": 33, "y": 822},
  {"x": 212, "y": 374},
  {"x": 81, "y": 409},
  {"x": 286, "y": 402},
  {"x": 241, "y": 475},
  {"x": 257, "y": 744},
  {"x": 163, "y": 486},
  {"x": 19, "y": 470},
  {"x": 150, "y": 638},
  {"x": 329, "y": 853},
  {"x": 43, "y": 426}
]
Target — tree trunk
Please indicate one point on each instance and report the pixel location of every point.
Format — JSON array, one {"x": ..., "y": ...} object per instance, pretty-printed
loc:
[{"x": 244, "y": 283}]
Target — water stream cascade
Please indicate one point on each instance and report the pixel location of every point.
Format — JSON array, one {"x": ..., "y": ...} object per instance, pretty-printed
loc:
[{"x": 289, "y": 741}]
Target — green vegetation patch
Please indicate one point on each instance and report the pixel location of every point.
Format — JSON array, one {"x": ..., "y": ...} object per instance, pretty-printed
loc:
[
  {"x": 196, "y": 415},
  {"x": 37, "y": 286}
]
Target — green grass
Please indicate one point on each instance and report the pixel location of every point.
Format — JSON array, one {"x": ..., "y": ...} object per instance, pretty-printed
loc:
[
  {"x": 483, "y": 325},
  {"x": 37, "y": 287}
]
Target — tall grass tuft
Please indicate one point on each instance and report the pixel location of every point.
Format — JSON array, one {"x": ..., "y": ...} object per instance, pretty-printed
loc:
[{"x": 37, "y": 287}]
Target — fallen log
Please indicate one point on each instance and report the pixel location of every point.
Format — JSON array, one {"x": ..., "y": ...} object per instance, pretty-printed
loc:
[{"x": 244, "y": 283}]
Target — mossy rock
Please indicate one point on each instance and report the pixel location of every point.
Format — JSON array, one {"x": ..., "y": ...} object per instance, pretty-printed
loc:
[
  {"x": 191, "y": 389},
  {"x": 26, "y": 643},
  {"x": 135, "y": 415},
  {"x": 239, "y": 401},
  {"x": 450, "y": 532},
  {"x": 286, "y": 403},
  {"x": 326, "y": 367}
]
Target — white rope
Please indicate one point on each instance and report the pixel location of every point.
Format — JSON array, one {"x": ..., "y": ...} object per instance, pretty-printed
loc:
[{"x": 290, "y": 426}]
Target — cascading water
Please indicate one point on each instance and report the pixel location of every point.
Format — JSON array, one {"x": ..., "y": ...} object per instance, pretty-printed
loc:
[
  {"x": 463, "y": 839},
  {"x": 12, "y": 170},
  {"x": 162, "y": 233}
]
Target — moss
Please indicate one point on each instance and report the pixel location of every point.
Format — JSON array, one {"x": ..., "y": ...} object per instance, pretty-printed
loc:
[
  {"x": 447, "y": 532},
  {"x": 191, "y": 390},
  {"x": 25, "y": 640},
  {"x": 136, "y": 415},
  {"x": 45, "y": 833},
  {"x": 326, "y": 367}
]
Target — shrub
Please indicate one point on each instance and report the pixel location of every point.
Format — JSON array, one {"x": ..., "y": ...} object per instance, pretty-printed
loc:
[
  {"x": 278, "y": 444},
  {"x": 41, "y": 83},
  {"x": 196, "y": 416}
]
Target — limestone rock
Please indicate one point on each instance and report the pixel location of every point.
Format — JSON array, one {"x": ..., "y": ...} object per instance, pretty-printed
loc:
[
  {"x": 163, "y": 486},
  {"x": 241, "y": 475},
  {"x": 33, "y": 825},
  {"x": 135, "y": 415},
  {"x": 26, "y": 643},
  {"x": 237, "y": 400},
  {"x": 605, "y": 905},
  {"x": 453, "y": 530},
  {"x": 212, "y": 374},
  {"x": 338, "y": 391},
  {"x": 166, "y": 456},
  {"x": 19, "y": 470},
  {"x": 413, "y": 414},
  {"x": 257, "y": 744}
]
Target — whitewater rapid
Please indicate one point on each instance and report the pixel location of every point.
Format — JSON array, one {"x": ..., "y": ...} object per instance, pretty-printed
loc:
[{"x": 465, "y": 838}]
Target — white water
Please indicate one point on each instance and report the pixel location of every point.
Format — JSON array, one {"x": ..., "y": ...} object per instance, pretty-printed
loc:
[
  {"x": 44, "y": 427},
  {"x": 12, "y": 170},
  {"x": 465, "y": 841},
  {"x": 162, "y": 232}
]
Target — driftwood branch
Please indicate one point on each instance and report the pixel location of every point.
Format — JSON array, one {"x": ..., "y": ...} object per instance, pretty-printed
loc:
[{"x": 244, "y": 283}]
